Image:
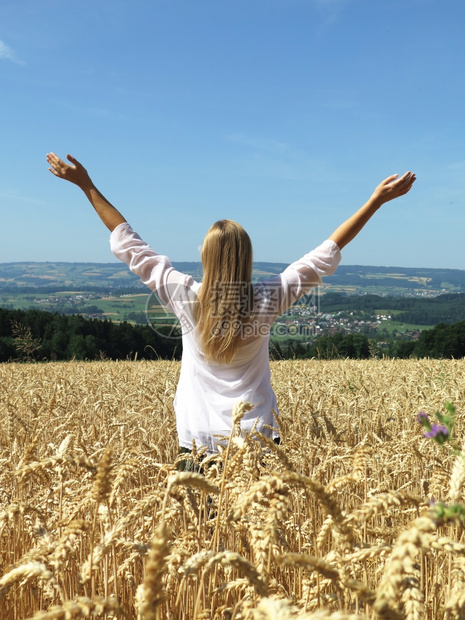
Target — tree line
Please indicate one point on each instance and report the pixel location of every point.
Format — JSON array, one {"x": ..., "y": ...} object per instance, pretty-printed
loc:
[
  {"x": 443, "y": 341},
  {"x": 40, "y": 335}
]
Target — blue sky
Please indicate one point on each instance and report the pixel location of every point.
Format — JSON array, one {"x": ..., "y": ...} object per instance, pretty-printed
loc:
[{"x": 281, "y": 114}]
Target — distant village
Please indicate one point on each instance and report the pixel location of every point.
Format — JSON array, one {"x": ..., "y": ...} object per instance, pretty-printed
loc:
[{"x": 304, "y": 321}]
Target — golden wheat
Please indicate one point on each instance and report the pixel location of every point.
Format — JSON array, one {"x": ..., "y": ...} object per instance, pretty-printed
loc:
[{"x": 96, "y": 520}]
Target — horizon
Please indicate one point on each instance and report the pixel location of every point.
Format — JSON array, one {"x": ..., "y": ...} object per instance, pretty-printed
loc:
[{"x": 198, "y": 262}]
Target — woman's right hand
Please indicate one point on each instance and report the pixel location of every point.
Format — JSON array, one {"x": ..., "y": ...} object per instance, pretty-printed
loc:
[{"x": 75, "y": 173}]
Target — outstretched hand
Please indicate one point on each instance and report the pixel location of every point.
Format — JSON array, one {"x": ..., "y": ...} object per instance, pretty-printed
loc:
[
  {"x": 390, "y": 188},
  {"x": 393, "y": 187},
  {"x": 75, "y": 173}
]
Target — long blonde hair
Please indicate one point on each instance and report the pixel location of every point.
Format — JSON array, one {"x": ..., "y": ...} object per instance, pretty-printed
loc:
[{"x": 225, "y": 300}]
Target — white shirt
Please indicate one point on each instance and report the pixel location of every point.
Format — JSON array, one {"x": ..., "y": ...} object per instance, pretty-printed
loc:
[{"x": 207, "y": 391}]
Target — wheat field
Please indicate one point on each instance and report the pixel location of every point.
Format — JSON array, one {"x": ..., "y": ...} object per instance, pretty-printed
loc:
[{"x": 97, "y": 521}]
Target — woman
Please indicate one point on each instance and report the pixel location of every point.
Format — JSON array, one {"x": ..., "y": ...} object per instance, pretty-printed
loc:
[{"x": 225, "y": 320}]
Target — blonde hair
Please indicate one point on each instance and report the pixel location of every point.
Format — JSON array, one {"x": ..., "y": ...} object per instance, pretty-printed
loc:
[{"x": 225, "y": 298}]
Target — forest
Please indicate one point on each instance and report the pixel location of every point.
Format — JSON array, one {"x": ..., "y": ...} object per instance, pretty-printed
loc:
[
  {"x": 443, "y": 341},
  {"x": 36, "y": 335},
  {"x": 40, "y": 335}
]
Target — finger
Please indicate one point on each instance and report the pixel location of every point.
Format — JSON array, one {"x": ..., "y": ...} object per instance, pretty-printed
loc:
[
  {"x": 406, "y": 180},
  {"x": 55, "y": 161},
  {"x": 77, "y": 164},
  {"x": 409, "y": 180},
  {"x": 406, "y": 188},
  {"x": 51, "y": 158},
  {"x": 408, "y": 176}
]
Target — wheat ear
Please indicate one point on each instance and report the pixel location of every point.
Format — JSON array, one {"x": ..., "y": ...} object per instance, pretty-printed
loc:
[{"x": 157, "y": 565}]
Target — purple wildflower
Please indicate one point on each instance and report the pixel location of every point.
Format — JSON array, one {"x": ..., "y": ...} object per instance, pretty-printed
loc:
[
  {"x": 438, "y": 432},
  {"x": 422, "y": 417}
]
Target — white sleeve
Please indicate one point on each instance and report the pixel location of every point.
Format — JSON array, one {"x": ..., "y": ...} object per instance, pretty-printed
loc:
[
  {"x": 308, "y": 270},
  {"x": 154, "y": 270},
  {"x": 278, "y": 294}
]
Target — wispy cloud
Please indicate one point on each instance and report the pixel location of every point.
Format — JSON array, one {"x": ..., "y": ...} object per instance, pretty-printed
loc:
[
  {"x": 458, "y": 166},
  {"x": 267, "y": 157},
  {"x": 6, "y": 53},
  {"x": 341, "y": 105},
  {"x": 331, "y": 9},
  {"x": 331, "y": 5},
  {"x": 14, "y": 196},
  {"x": 258, "y": 144}
]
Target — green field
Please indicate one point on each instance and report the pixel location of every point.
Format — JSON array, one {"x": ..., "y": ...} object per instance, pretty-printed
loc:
[{"x": 116, "y": 308}]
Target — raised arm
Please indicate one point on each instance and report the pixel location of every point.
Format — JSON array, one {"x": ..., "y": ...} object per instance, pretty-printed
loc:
[
  {"x": 77, "y": 174},
  {"x": 390, "y": 188}
]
